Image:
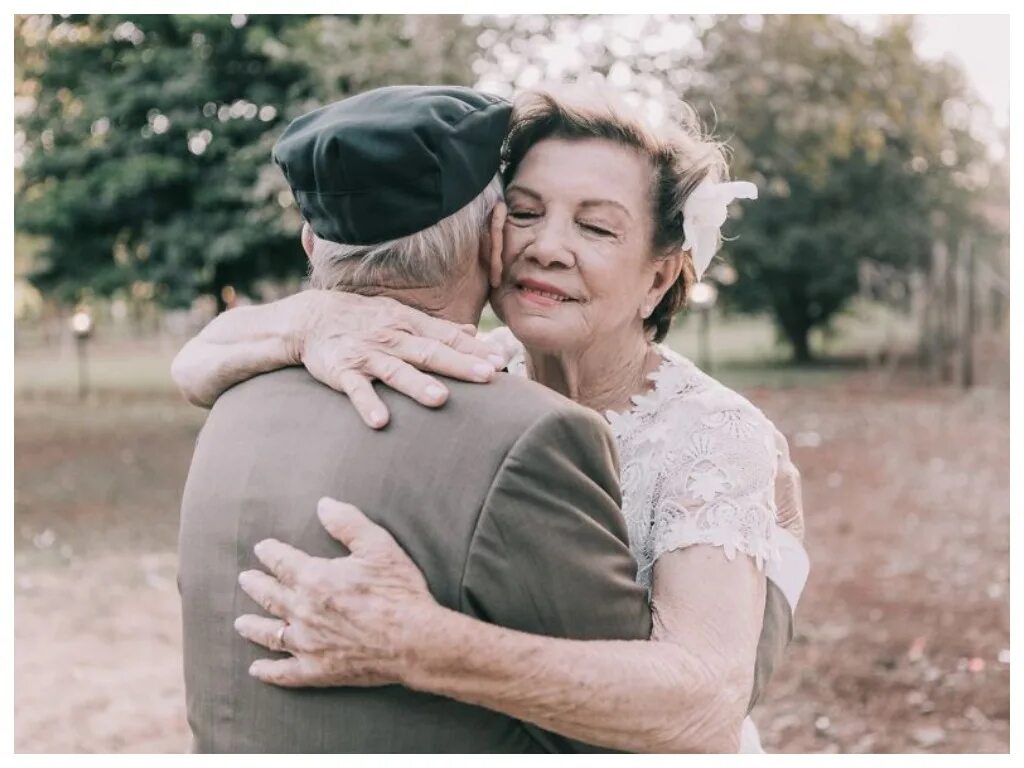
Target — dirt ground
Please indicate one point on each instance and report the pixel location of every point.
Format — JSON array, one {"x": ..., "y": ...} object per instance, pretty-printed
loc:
[{"x": 903, "y": 633}]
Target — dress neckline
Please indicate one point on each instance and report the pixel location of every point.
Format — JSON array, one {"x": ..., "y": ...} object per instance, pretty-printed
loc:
[
  {"x": 671, "y": 378},
  {"x": 666, "y": 378}
]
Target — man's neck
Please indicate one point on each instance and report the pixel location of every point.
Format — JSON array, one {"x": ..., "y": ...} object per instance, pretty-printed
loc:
[
  {"x": 437, "y": 302},
  {"x": 460, "y": 300}
]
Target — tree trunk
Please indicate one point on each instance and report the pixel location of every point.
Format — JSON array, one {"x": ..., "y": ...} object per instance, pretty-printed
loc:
[
  {"x": 799, "y": 340},
  {"x": 793, "y": 318}
]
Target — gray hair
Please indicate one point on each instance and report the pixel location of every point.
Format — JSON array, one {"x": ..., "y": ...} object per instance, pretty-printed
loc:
[{"x": 428, "y": 258}]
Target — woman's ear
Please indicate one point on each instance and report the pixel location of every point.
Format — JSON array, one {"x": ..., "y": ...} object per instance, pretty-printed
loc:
[
  {"x": 666, "y": 272},
  {"x": 494, "y": 266}
]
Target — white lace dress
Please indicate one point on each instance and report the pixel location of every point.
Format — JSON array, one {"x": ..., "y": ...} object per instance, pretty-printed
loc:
[{"x": 698, "y": 465}]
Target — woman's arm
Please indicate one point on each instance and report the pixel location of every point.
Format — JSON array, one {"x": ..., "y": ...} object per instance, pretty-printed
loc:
[
  {"x": 368, "y": 619},
  {"x": 344, "y": 340},
  {"x": 237, "y": 345},
  {"x": 685, "y": 690}
]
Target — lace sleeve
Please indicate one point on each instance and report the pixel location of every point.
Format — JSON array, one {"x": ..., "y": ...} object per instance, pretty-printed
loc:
[{"x": 718, "y": 488}]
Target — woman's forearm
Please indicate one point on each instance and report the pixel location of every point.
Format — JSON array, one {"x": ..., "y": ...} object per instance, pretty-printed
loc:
[
  {"x": 237, "y": 345},
  {"x": 636, "y": 696}
]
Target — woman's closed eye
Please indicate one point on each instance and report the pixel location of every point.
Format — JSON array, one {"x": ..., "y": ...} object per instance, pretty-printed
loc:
[
  {"x": 520, "y": 214},
  {"x": 597, "y": 229}
]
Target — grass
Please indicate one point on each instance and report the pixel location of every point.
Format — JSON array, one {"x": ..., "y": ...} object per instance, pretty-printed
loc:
[{"x": 140, "y": 368}]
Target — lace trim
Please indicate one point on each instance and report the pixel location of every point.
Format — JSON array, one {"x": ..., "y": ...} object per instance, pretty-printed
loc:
[
  {"x": 743, "y": 528},
  {"x": 671, "y": 380}
]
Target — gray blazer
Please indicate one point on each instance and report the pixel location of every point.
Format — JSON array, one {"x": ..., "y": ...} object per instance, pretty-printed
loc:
[{"x": 507, "y": 499}]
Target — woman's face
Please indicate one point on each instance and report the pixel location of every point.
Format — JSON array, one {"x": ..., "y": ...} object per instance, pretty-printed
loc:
[{"x": 577, "y": 245}]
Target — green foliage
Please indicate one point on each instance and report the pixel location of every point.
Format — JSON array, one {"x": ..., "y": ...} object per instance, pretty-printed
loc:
[
  {"x": 860, "y": 150},
  {"x": 146, "y": 147}
]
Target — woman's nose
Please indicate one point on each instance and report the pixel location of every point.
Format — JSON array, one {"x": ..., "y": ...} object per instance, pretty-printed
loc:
[{"x": 550, "y": 247}]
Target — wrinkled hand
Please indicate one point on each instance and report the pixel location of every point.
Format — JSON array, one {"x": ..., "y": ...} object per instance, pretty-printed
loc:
[
  {"x": 789, "y": 501},
  {"x": 346, "y": 341},
  {"x": 347, "y": 620}
]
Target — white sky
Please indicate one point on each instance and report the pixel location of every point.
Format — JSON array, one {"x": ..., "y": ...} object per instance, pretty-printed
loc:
[{"x": 980, "y": 43}]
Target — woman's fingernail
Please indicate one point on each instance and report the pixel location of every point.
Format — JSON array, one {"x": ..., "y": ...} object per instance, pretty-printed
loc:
[
  {"x": 435, "y": 392},
  {"x": 483, "y": 371},
  {"x": 498, "y": 360},
  {"x": 378, "y": 418}
]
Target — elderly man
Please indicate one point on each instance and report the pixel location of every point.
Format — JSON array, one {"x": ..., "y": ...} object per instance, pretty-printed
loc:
[{"x": 397, "y": 189}]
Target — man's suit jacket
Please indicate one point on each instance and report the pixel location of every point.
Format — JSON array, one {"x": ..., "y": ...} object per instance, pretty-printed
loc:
[{"x": 507, "y": 499}]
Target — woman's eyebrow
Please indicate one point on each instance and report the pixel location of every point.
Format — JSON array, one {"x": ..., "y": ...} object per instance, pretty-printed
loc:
[
  {"x": 602, "y": 202},
  {"x": 522, "y": 190},
  {"x": 591, "y": 203}
]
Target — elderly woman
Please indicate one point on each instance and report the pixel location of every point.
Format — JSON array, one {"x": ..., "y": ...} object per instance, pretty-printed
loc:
[{"x": 609, "y": 222}]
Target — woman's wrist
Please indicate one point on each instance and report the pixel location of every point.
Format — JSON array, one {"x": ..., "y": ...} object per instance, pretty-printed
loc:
[
  {"x": 425, "y": 645},
  {"x": 299, "y": 315}
]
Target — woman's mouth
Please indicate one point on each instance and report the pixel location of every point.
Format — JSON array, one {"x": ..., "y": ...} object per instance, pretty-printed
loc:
[{"x": 542, "y": 294}]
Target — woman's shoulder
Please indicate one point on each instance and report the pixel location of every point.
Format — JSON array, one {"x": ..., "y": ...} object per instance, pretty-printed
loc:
[
  {"x": 685, "y": 390},
  {"x": 717, "y": 465}
]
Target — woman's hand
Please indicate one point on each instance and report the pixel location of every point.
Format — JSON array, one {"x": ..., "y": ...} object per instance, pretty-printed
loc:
[
  {"x": 346, "y": 621},
  {"x": 789, "y": 502},
  {"x": 348, "y": 340}
]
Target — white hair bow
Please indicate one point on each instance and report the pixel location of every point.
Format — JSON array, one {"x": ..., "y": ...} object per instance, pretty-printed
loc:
[{"x": 704, "y": 213}]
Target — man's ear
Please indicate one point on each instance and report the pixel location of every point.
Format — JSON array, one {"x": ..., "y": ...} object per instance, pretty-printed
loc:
[
  {"x": 666, "y": 272},
  {"x": 496, "y": 241},
  {"x": 308, "y": 239}
]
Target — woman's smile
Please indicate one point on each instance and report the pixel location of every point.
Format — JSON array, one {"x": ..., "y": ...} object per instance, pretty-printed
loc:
[{"x": 538, "y": 293}]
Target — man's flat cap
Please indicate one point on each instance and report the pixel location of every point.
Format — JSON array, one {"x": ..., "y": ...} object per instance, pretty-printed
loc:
[{"x": 392, "y": 161}]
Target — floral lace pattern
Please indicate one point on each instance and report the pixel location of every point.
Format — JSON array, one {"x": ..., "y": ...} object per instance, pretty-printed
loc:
[{"x": 698, "y": 466}]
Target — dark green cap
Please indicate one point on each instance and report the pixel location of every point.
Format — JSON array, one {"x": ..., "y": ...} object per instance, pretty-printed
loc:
[{"x": 392, "y": 161}]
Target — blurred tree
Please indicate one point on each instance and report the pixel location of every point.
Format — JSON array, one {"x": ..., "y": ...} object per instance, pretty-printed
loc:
[
  {"x": 859, "y": 148},
  {"x": 143, "y": 143}
]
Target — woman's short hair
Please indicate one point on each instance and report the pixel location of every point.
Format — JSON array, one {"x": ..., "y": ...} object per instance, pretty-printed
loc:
[{"x": 681, "y": 157}]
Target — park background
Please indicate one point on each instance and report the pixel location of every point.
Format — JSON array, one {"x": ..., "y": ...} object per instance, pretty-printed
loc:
[{"x": 862, "y": 303}]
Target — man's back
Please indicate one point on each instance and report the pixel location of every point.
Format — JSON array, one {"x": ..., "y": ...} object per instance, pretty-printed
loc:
[{"x": 506, "y": 500}]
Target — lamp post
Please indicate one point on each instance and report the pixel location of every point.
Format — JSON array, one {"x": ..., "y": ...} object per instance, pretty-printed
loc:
[
  {"x": 81, "y": 327},
  {"x": 703, "y": 297}
]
